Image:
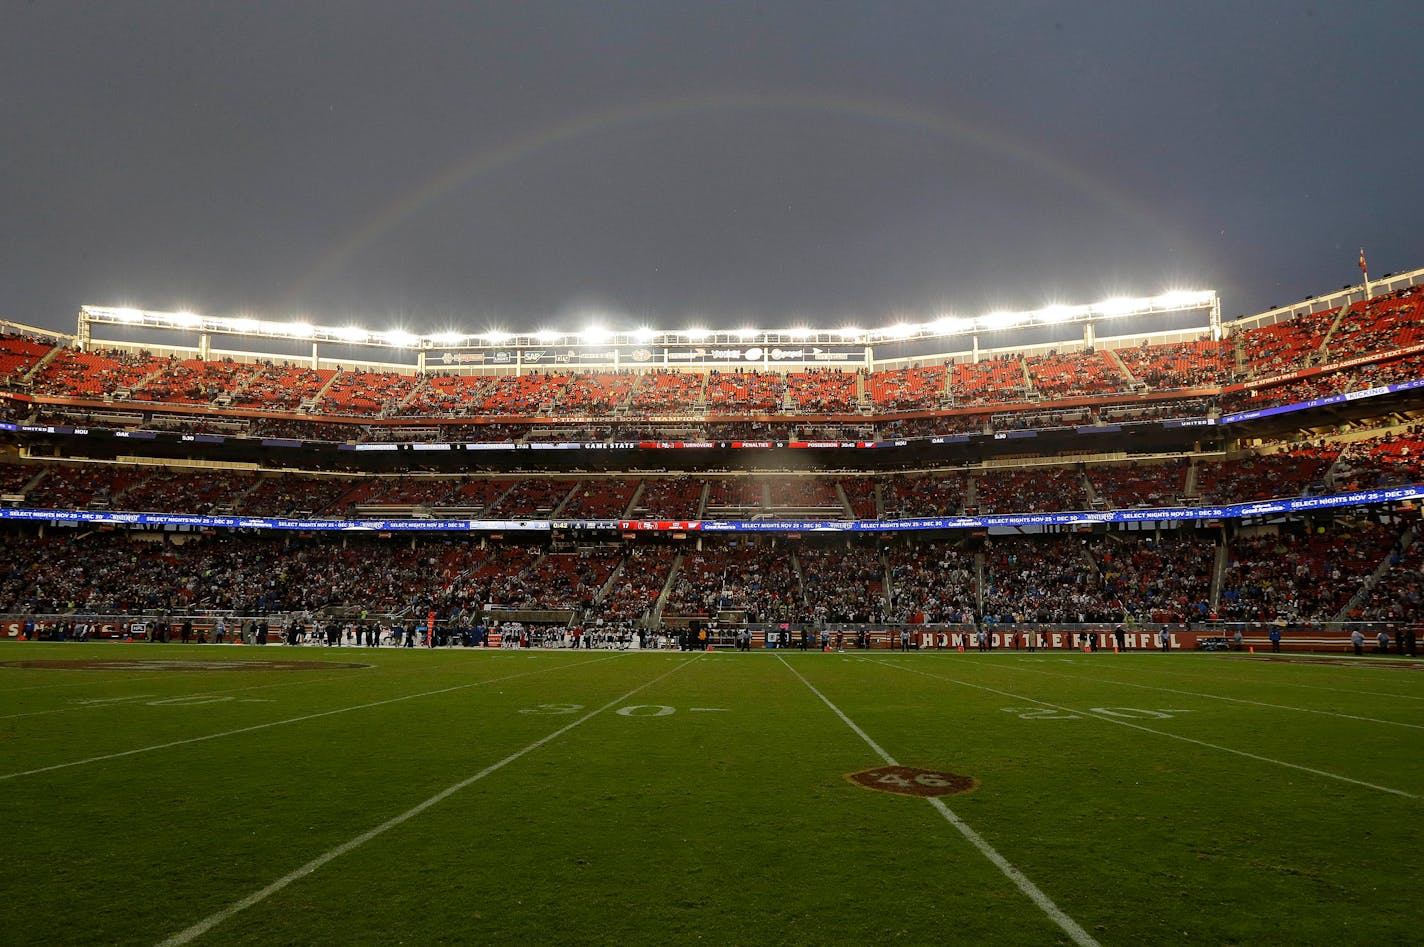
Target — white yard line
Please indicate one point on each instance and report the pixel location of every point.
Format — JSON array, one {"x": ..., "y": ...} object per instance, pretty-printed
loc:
[
  {"x": 279, "y": 723},
  {"x": 1234, "y": 700},
  {"x": 1160, "y": 733},
  {"x": 81, "y": 682},
  {"x": 1314, "y": 687},
  {"x": 1020, "y": 880},
  {"x": 213, "y": 920},
  {"x": 109, "y": 703}
]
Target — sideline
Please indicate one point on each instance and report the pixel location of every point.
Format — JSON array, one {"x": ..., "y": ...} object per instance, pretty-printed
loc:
[
  {"x": 1179, "y": 672},
  {"x": 321, "y": 677},
  {"x": 1234, "y": 700},
  {"x": 208, "y": 923},
  {"x": 1045, "y": 904},
  {"x": 279, "y": 723},
  {"x": 1160, "y": 733}
]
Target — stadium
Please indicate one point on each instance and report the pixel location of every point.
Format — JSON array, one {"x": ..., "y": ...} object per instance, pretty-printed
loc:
[
  {"x": 939, "y": 535},
  {"x": 669, "y": 473},
  {"x": 932, "y": 479}
]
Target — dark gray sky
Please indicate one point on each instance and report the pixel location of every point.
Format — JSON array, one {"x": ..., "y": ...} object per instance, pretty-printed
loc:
[{"x": 522, "y": 165}]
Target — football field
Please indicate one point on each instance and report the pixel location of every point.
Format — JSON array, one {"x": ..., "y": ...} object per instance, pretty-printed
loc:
[{"x": 240, "y": 795}]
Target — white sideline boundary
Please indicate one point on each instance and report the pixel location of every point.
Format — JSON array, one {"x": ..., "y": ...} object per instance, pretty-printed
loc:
[
  {"x": 321, "y": 677},
  {"x": 213, "y": 920},
  {"x": 1223, "y": 697},
  {"x": 1020, "y": 880},
  {"x": 1178, "y": 672},
  {"x": 1160, "y": 733},
  {"x": 279, "y": 723}
]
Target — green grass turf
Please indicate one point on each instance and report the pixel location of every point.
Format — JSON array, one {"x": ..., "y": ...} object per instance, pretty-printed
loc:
[{"x": 727, "y": 826}]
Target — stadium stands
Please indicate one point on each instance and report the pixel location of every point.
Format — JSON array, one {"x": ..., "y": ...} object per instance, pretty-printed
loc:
[
  {"x": 1301, "y": 576},
  {"x": 744, "y": 392},
  {"x": 579, "y": 569}
]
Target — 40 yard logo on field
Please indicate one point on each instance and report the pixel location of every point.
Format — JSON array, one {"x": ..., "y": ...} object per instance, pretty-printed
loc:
[{"x": 912, "y": 781}]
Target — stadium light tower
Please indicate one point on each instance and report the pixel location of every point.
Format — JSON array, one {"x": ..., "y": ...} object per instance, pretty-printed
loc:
[{"x": 598, "y": 346}]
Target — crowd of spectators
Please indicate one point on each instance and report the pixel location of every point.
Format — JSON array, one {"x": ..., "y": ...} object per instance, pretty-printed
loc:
[
  {"x": 1289, "y": 473},
  {"x": 281, "y": 387},
  {"x": 744, "y": 392},
  {"x": 860, "y": 494},
  {"x": 445, "y": 394},
  {"x": 740, "y": 496},
  {"x": 804, "y": 497},
  {"x": 533, "y": 497},
  {"x": 369, "y": 394},
  {"x": 1121, "y": 486},
  {"x": 997, "y": 380},
  {"x": 18, "y": 355},
  {"x": 1380, "y": 324},
  {"x": 1389, "y": 460},
  {"x": 593, "y": 393},
  {"x": 1301, "y": 575},
  {"x": 1293, "y": 573},
  {"x": 762, "y": 584},
  {"x": 292, "y": 495},
  {"x": 670, "y": 498},
  {"x": 1075, "y": 375},
  {"x": 907, "y": 389},
  {"x": 845, "y": 583},
  {"x": 1376, "y": 326},
  {"x": 1030, "y": 490},
  {"x": 698, "y": 588},
  {"x": 663, "y": 392},
  {"x": 932, "y": 581},
  {"x": 1203, "y": 363},
  {"x": 912, "y": 495},
  {"x": 635, "y": 591},
  {"x": 1294, "y": 392},
  {"x": 520, "y": 395},
  {"x": 823, "y": 391},
  {"x": 1157, "y": 579},
  {"x": 562, "y": 580},
  {"x": 93, "y": 374},
  {"x": 600, "y": 499},
  {"x": 105, "y": 573},
  {"x": 1285, "y": 346},
  {"x": 192, "y": 381},
  {"x": 1045, "y": 579},
  {"x": 1398, "y": 596}
]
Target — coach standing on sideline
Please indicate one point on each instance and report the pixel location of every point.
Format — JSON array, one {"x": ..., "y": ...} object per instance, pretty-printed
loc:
[{"x": 1358, "y": 640}]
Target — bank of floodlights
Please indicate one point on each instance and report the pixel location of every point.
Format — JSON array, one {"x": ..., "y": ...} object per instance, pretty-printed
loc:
[{"x": 599, "y": 335}]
